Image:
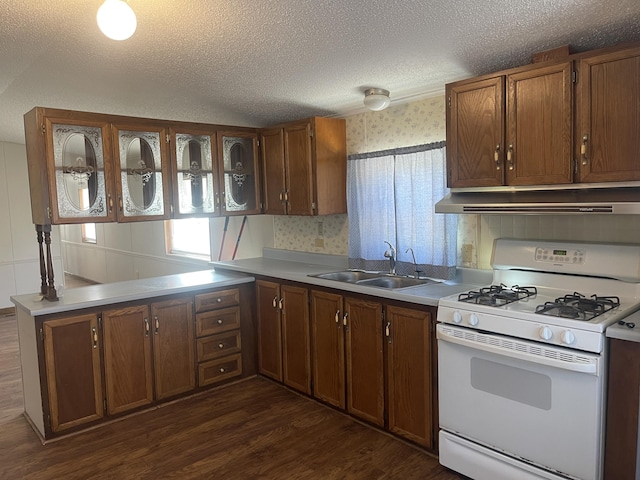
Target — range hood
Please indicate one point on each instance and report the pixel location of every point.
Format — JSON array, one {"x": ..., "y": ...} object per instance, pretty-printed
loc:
[{"x": 597, "y": 198}]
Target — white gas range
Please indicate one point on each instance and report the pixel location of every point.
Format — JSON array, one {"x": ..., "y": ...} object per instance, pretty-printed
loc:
[{"x": 522, "y": 362}]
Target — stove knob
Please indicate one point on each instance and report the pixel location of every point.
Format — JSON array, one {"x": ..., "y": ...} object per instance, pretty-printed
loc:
[
  {"x": 545, "y": 333},
  {"x": 568, "y": 337},
  {"x": 473, "y": 320},
  {"x": 457, "y": 317}
]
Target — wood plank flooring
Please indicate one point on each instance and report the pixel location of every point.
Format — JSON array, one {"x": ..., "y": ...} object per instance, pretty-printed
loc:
[{"x": 252, "y": 429}]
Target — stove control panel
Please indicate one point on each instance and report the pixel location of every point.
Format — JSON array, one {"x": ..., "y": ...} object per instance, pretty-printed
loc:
[{"x": 557, "y": 255}]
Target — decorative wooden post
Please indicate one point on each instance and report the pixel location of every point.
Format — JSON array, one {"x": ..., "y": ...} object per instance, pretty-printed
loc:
[{"x": 47, "y": 286}]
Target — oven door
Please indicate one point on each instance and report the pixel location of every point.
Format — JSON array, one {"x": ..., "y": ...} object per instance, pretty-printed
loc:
[{"x": 533, "y": 404}]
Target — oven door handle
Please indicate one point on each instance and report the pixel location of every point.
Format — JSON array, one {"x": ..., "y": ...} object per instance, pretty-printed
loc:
[{"x": 446, "y": 335}]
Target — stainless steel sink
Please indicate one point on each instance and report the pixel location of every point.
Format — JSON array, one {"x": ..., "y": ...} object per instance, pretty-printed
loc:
[
  {"x": 373, "y": 279},
  {"x": 348, "y": 276},
  {"x": 392, "y": 282}
]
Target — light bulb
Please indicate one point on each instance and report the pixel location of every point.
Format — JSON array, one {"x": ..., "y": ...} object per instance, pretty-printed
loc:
[
  {"x": 376, "y": 99},
  {"x": 116, "y": 19}
]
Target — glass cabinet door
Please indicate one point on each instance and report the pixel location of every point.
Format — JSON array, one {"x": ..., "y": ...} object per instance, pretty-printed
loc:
[
  {"x": 195, "y": 183},
  {"x": 239, "y": 172},
  {"x": 142, "y": 173},
  {"x": 79, "y": 153}
]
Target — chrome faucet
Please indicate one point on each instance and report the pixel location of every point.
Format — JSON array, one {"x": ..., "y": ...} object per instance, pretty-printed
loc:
[
  {"x": 391, "y": 255},
  {"x": 415, "y": 265}
]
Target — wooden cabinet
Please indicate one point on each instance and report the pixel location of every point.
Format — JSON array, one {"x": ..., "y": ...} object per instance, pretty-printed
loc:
[
  {"x": 218, "y": 335},
  {"x": 127, "y": 358},
  {"x": 73, "y": 370},
  {"x": 518, "y": 127},
  {"x": 409, "y": 366},
  {"x": 173, "y": 347},
  {"x": 239, "y": 172},
  {"x": 304, "y": 165},
  {"x": 536, "y": 146},
  {"x": 608, "y": 116},
  {"x": 283, "y": 334}
]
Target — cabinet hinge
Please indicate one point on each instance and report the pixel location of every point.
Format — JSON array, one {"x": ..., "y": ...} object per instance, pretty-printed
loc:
[
  {"x": 574, "y": 76},
  {"x": 100, "y": 322},
  {"x": 311, "y": 132},
  {"x": 313, "y": 206},
  {"x": 449, "y": 101},
  {"x": 167, "y": 138},
  {"x": 42, "y": 128},
  {"x": 258, "y": 143},
  {"x": 42, "y": 334}
]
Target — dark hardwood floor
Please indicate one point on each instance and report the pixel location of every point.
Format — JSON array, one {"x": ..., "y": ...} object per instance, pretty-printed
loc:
[{"x": 252, "y": 429}]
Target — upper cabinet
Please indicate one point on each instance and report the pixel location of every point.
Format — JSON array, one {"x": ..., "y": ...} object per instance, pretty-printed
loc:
[
  {"x": 90, "y": 167},
  {"x": 608, "y": 117},
  {"x": 517, "y": 127},
  {"x": 304, "y": 165},
  {"x": 239, "y": 172},
  {"x": 142, "y": 166}
]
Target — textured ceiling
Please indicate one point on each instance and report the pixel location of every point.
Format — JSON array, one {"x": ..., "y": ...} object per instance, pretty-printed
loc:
[{"x": 259, "y": 62}]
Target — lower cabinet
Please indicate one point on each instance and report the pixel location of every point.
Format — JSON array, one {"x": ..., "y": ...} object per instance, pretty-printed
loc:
[
  {"x": 374, "y": 359},
  {"x": 73, "y": 371},
  {"x": 100, "y": 363},
  {"x": 283, "y": 334}
]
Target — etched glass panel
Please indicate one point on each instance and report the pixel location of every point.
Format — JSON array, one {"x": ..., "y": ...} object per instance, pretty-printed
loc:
[
  {"x": 239, "y": 179},
  {"x": 194, "y": 175},
  {"x": 79, "y": 171},
  {"x": 140, "y": 173}
]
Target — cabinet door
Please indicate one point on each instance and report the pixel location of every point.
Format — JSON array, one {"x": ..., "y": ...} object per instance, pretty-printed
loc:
[
  {"x": 327, "y": 315},
  {"x": 173, "y": 347},
  {"x": 81, "y": 175},
  {"x": 269, "y": 329},
  {"x": 142, "y": 166},
  {"x": 127, "y": 358},
  {"x": 365, "y": 367},
  {"x": 608, "y": 122},
  {"x": 74, "y": 379},
  {"x": 272, "y": 145},
  {"x": 298, "y": 169},
  {"x": 407, "y": 335},
  {"x": 296, "y": 357},
  {"x": 475, "y": 138},
  {"x": 238, "y": 154},
  {"x": 194, "y": 173},
  {"x": 539, "y": 119}
]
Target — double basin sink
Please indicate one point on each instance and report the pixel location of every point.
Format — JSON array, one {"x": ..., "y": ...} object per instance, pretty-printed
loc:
[{"x": 374, "y": 279}]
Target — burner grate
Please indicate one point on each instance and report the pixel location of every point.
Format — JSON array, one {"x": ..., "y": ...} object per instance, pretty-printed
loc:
[
  {"x": 497, "y": 295},
  {"x": 576, "y": 306}
]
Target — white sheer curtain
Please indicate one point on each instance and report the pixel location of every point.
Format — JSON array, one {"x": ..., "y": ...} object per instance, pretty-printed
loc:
[{"x": 391, "y": 196}]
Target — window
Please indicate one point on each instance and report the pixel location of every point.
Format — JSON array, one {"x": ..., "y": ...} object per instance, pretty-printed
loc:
[
  {"x": 188, "y": 237},
  {"x": 89, "y": 232},
  {"x": 391, "y": 197}
]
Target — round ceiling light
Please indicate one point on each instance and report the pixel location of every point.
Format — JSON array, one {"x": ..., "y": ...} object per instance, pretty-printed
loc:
[
  {"x": 376, "y": 99},
  {"x": 116, "y": 19}
]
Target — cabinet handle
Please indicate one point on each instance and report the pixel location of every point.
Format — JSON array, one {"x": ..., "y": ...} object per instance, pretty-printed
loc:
[
  {"x": 337, "y": 317},
  {"x": 274, "y": 302},
  {"x": 110, "y": 203},
  {"x": 222, "y": 370},
  {"x": 146, "y": 327},
  {"x": 157, "y": 322},
  {"x": 281, "y": 196},
  {"x": 219, "y": 300},
  {"x": 95, "y": 337},
  {"x": 286, "y": 196},
  {"x": 344, "y": 318},
  {"x": 496, "y": 157},
  {"x": 281, "y": 303},
  {"x": 120, "y": 203},
  {"x": 510, "y": 157},
  {"x": 387, "y": 331},
  {"x": 221, "y": 346},
  {"x": 219, "y": 321},
  {"x": 583, "y": 149}
]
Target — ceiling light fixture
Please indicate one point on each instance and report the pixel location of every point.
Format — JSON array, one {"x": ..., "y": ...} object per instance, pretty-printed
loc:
[
  {"x": 116, "y": 19},
  {"x": 376, "y": 99}
]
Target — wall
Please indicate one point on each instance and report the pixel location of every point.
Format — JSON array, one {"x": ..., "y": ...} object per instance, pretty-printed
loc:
[{"x": 19, "y": 255}]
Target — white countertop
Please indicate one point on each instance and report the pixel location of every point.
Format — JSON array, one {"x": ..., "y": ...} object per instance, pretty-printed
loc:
[
  {"x": 109, "y": 293},
  {"x": 623, "y": 332},
  {"x": 297, "y": 267}
]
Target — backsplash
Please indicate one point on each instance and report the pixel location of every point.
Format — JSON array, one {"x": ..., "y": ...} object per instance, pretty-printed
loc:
[{"x": 326, "y": 234}]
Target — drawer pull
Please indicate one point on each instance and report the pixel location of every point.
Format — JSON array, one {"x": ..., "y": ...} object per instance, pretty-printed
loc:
[
  {"x": 219, "y": 321},
  {"x": 337, "y": 317},
  {"x": 583, "y": 149},
  {"x": 95, "y": 338},
  {"x": 219, "y": 300},
  {"x": 221, "y": 345},
  {"x": 496, "y": 157},
  {"x": 146, "y": 327},
  {"x": 222, "y": 370},
  {"x": 274, "y": 302},
  {"x": 157, "y": 322}
]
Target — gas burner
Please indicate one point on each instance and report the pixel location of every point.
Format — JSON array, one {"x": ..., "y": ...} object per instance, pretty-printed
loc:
[
  {"x": 578, "y": 307},
  {"x": 497, "y": 295}
]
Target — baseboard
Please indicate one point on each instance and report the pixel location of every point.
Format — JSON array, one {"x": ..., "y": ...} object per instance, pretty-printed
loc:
[{"x": 7, "y": 311}]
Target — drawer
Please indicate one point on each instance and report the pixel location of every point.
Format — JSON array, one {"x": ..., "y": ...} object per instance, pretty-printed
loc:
[
  {"x": 220, "y": 369},
  {"x": 219, "y": 299},
  {"x": 217, "y": 346},
  {"x": 217, "y": 321}
]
